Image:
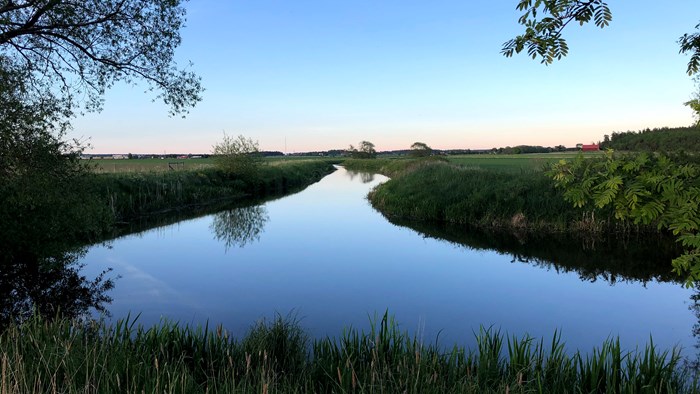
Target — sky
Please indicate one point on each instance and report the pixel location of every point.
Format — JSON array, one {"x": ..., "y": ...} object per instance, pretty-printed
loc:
[{"x": 309, "y": 75}]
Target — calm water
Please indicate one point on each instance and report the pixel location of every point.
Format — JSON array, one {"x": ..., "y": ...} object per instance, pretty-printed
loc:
[{"x": 325, "y": 254}]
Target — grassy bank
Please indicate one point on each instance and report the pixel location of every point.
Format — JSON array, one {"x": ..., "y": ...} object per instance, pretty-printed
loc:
[
  {"x": 514, "y": 197},
  {"x": 277, "y": 356},
  {"x": 391, "y": 167},
  {"x": 130, "y": 195},
  {"x": 475, "y": 197}
]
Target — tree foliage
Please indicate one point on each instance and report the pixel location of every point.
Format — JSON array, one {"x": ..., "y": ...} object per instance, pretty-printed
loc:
[
  {"x": 646, "y": 189},
  {"x": 365, "y": 150},
  {"x": 690, "y": 43},
  {"x": 45, "y": 194},
  {"x": 664, "y": 139},
  {"x": 420, "y": 149},
  {"x": 694, "y": 103},
  {"x": 57, "y": 56},
  {"x": 238, "y": 156},
  {"x": 47, "y": 207},
  {"x": 545, "y": 21},
  {"x": 73, "y": 51}
]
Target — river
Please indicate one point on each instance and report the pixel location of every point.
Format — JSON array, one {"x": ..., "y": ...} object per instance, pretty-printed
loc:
[{"x": 327, "y": 257}]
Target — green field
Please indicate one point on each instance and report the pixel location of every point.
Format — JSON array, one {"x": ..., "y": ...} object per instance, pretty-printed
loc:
[
  {"x": 169, "y": 164},
  {"x": 516, "y": 163}
]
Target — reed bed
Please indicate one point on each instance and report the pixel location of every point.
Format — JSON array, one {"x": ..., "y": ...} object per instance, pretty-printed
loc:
[
  {"x": 477, "y": 193},
  {"x": 131, "y": 195},
  {"x": 476, "y": 197},
  {"x": 277, "y": 356},
  {"x": 391, "y": 167},
  {"x": 522, "y": 200}
]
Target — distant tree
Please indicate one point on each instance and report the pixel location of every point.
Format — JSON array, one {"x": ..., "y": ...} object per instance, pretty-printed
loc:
[
  {"x": 420, "y": 149},
  {"x": 238, "y": 156},
  {"x": 365, "y": 150},
  {"x": 545, "y": 20}
]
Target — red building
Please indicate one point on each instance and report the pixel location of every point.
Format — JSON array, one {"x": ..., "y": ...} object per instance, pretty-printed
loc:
[{"x": 590, "y": 148}]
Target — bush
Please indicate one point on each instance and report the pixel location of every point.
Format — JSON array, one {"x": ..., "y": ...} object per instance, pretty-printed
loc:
[{"x": 238, "y": 156}]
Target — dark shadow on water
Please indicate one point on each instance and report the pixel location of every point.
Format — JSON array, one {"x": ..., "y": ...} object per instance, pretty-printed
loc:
[
  {"x": 49, "y": 286},
  {"x": 257, "y": 217},
  {"x": 614, "y": 258}
]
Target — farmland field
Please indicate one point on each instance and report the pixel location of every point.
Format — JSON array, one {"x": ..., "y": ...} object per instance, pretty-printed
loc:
[{"x": 517, "y": 163}]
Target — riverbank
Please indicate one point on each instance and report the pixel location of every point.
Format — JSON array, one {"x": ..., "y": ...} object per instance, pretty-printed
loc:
[
  {"x": 47, "y": 216},
  {"x": 278, "y": 356},
  {"x": 132, "y": 195},
  {"x": 520, "y": 200}
]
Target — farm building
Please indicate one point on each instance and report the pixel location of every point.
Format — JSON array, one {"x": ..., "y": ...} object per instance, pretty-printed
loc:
[{"x": 590, "y": 148}]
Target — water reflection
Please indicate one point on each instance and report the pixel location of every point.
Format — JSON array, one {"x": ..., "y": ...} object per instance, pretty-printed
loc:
[
  {"x": 611, "y": 259},
  {"x": 365, "y": 177},
  {"x": 48, "y": 286},
  {"x": 239, "y": 226}
]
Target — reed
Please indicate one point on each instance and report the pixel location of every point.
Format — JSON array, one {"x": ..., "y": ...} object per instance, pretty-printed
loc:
[
  {"x": 276, "y": 356},
  {"x": 475, "y": 197},
  {"x": 131, "y": 195},
  {"x": 522, "y": 201},
  {"x": 394, "y": 167}
]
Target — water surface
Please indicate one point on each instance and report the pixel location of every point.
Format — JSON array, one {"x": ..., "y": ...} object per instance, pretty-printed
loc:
[{"x": 326, "y": 255}]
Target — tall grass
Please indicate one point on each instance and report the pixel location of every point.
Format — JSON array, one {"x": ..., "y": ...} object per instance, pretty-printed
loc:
[
  {"x": 507, "y": 196},
  {"x": 130, "y": 195},
  {"x": 391, "y": 167},
  {"x": 277, "y": 356},
  {"x": 524, "y": 201},
  {"x": 475, "y": 197}
]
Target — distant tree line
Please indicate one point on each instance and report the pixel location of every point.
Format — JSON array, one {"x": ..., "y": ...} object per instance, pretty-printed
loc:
[
  {"x": 521, "y": 149},
  {"x": 365, "y": 150},
  {"x": 663, "y": 139},
  {"x": 422, "y": 149}
]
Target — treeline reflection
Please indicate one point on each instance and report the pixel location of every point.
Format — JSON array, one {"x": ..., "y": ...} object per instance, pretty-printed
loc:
[
  {"x": 50, "y": 286},
  {"x": 239, "y": 226},
  {"x": 612, "y": 258}
]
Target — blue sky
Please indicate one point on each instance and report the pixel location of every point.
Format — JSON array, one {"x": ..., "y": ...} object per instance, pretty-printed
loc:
[{"x": 318, "y": 75}]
